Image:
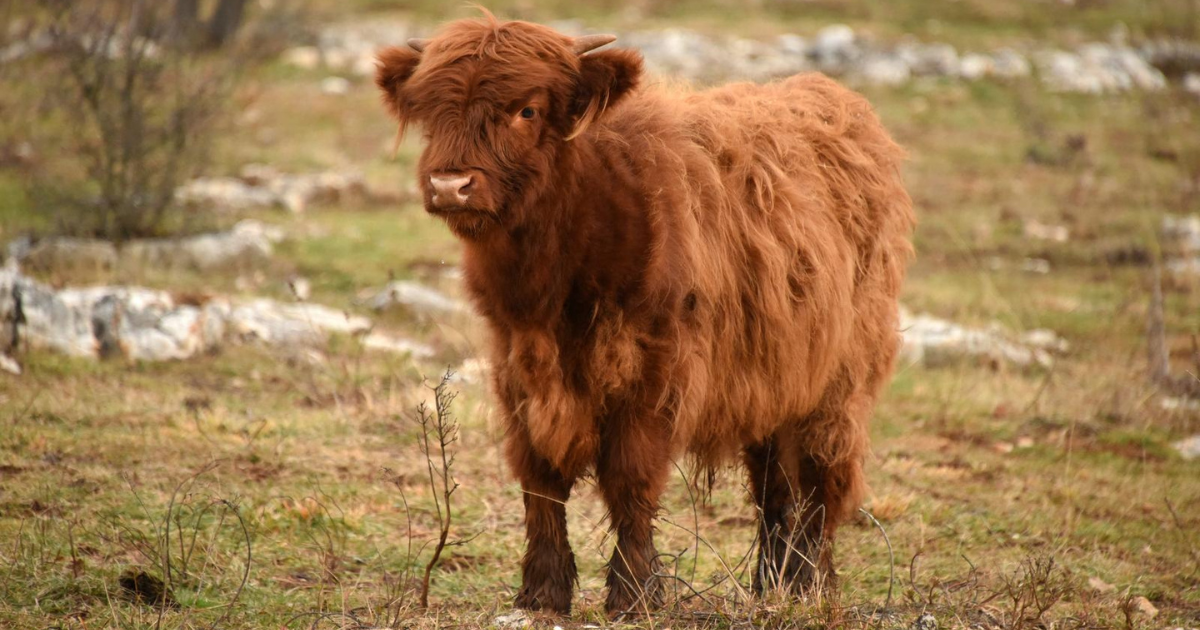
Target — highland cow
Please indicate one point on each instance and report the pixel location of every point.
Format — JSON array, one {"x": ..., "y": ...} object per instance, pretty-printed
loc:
[{"x": 664, "y": 273}]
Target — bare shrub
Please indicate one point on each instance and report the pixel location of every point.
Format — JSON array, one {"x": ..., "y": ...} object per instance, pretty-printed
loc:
[
  {"x": 1033, "y": 590},
  {"x": 439, "y": 432},
  {"x": 134, "y": 94}
]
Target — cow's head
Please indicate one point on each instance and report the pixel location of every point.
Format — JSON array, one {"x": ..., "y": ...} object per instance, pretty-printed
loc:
[{"x": 498, "y": 101}]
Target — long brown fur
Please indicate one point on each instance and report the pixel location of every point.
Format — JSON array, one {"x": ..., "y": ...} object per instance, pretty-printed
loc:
[{"x": 666, "y": 273}]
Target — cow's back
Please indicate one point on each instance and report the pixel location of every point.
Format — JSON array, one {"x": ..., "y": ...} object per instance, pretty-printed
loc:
[{"x": 786, "y": 218}]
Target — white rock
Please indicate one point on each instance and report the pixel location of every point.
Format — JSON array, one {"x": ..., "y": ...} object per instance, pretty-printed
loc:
[
  {"x": 398, "y": 345},
  {"x": 680, "y": 52},
  {"x": 834, "y": 39},
  {"x": 1045, "y": 339},
  {"x": 925, "y": 622},
  {"x": 224, "y": 194},
  {"x": 885, "y": 70},
  {"x": 364, "y": 64},
  {"x": 1097, "y": 68},
  {"x": 750, "y": 59},
  {"x": 1062, "y": 70},
  {"x": 10, "y": 365},
  {"x": 1043, "y": 232},
  {"x": 306, "y": 57},
  {"x": 416, "y": 297},
  {"x": 276, "y": 323},
  {"x": 1183, "y": 231},
  {"x": 1036, "y": 265},
  {"x": 300, "y": 287},
  {"x": 793, "y": 45},
  {"x": 515, "y": 619},
  {"x": 337, "y": 58},
  {"x": 249, "y": 242},
  {"x": 933, "y": 342},
  {"x": 158, "y": 332},
  {"x": 148, "y": 325},
  {"x": 834, "y": 47},
  {"x": 974, "y": 66},
  {"x": 119, "y": 321},
  {"x": 1181, "y": 55},
  {"x": 21, "y": 49},
  {"x": 336, "y": 86},
  {"x": 66, "y": 253},
  {"x": 1124, "y": 62},
  {"x": 837, "y": 49},
  {"x": 473, "y": 370},
  {"x": 1144, "y": 75},
  {"x": 17, "y": 250},
  {"x": 263, "y": 187},
  {"x": 1179, "y": 404},
  {"x": 930, "y": 59},
  {"x": 46, "y": 320},
  {"x": 1182, "y": 235},
  {"x": 1189, "y": 448},
  {"x": 1009, "y": 64},
  {"x": 1183, "y": 266},
  {"x": 1191, "y": 82}
]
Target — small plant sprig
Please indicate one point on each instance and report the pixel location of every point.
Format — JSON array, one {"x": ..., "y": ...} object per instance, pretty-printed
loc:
[{"x": 439, "y": 432}]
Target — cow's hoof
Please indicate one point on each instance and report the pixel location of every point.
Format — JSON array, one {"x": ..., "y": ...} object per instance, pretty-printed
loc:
[
  {"x": 629, "y": 601},
  {"x": 544, "y": 599}
]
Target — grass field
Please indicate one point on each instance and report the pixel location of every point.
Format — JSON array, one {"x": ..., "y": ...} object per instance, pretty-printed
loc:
[{"x": 288, "y": 489}]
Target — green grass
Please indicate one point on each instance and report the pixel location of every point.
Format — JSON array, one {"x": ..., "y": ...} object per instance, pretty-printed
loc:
[{"x": 977, "y": 471}]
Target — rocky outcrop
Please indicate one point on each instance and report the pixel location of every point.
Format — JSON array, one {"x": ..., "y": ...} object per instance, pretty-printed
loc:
[
  {"x": 150, "y": 325},
  {"x": 1098, "y": 68},
  {"x": 277, "y": 323},
  {"x": 261, "y": 186},
  {"x": 1181, "y": 244},
  {"x": 934, "y": 342},
  {"x": 1175, "y": 57},
  {"x": 248, "y": 243},
  {"x": 416, "y": 298},
  {"x": 836, "y": 49}
]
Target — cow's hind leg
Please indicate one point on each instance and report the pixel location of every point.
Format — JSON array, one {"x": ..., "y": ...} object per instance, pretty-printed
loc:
[
  {"x": 632, "y": 471},
  {"x": 831, "y": 491},
  {"x": 801, "y": 498},
  {"x": 775, "y": 485},
  {"x": 548, "y": 571}
]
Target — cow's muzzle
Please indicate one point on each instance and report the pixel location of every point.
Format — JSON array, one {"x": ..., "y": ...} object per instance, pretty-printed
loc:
[{"x": 451, "y": 190}]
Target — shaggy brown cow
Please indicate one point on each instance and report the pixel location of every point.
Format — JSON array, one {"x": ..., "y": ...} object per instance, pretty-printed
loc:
[{"x": 664, "y": 273}]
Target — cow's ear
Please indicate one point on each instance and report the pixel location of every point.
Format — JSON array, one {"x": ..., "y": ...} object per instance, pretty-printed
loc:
[
  {"x": 394, "y": 65},
  {"x": 604, "y": 78}
]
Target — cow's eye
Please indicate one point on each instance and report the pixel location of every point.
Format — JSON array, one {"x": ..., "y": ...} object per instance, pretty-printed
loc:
[{"x": 528, "y": 113}]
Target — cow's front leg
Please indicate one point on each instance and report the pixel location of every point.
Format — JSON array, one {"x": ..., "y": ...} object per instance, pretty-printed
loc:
[
  {"x": 632, "y": 470},
  {"x": 548, "y": 569}
]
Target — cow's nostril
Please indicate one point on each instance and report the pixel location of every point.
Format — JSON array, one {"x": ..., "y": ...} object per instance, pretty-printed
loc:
[{"x": 451, "y": 189}]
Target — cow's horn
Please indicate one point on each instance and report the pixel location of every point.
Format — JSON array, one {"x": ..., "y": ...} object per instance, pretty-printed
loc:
[
  {"x": 591, "y": 42},
  {"x": 418, "y": 44}
]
